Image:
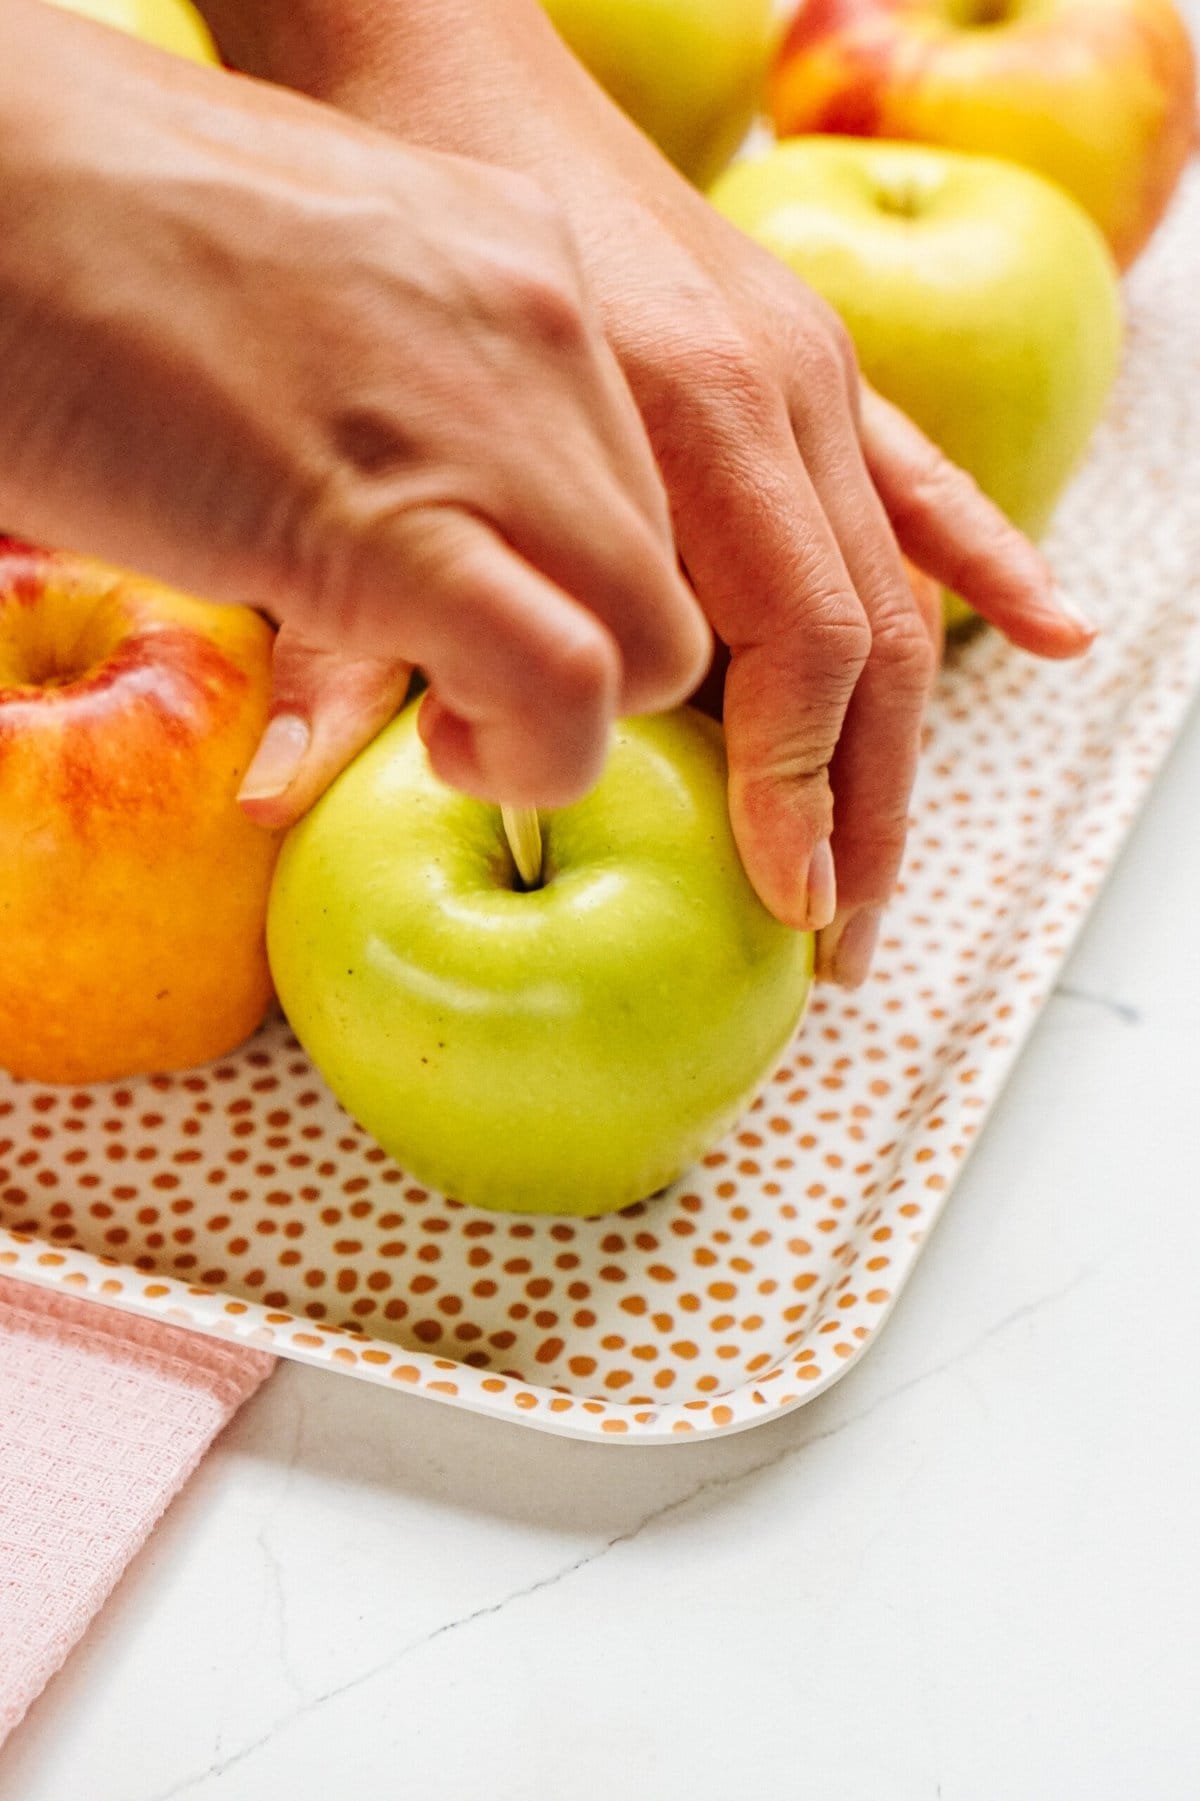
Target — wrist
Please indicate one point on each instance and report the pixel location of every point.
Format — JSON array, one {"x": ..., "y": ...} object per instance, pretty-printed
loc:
[{"x": 319, "y": 46}]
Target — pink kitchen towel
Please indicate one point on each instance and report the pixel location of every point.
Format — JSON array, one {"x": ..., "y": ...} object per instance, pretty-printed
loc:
[{"x": 103, "y": 1417}]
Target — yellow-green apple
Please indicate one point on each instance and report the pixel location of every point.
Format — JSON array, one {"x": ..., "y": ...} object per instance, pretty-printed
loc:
[
  {"x": 170, "y": 24},
  {"x": 133, "y": 890},
  {"x": 981, "y": 299},
  {"x": 568, "y": 1047},
  {"x": 691, "y": 73},
  {"x": 1097, "y": 94}
]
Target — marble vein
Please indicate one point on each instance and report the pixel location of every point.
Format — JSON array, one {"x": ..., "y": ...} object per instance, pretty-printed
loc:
[
  {"x": 706, "y": 1487},
  {"x": 1130, "y": 1016}
]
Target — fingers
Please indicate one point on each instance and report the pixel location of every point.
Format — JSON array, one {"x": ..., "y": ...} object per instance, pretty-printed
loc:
[
  {"x": 580, "y": 578},
  {"x": 775, "y": 585},
  {"x": 876, "y": 760},
  {"x": 610, "y": 545},
  {"x": 947, "y": 526},
  {"x": 531, "y": 677},
  {"x": 847, "y": 946},
  {"x": 623, "y": 577},
  {"x": 324, "y": 709},
  {"x": 524, "y": 683}
]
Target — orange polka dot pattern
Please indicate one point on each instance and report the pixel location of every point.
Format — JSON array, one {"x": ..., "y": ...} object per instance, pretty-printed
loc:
[{"x": 240, "y": 1199}]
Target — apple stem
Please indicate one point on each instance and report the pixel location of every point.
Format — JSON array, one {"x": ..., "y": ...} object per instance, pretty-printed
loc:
[{"x": 524, "y": 834}]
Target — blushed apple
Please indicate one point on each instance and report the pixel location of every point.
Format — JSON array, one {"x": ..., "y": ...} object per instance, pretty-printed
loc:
[
  {"x": 1099, "y": 95},
  {"x": 981, "y": 299},
  {"x": 170, "y": 24},
  {"x": 569, "y": 1048},
  {"x": 691, "y": 73},
  {"x": 133, "y": 890}
]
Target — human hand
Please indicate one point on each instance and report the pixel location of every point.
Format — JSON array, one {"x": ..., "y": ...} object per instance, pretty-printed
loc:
[
  {"x": 789, "y": 483},
  {"x": 258, "y": 350}
]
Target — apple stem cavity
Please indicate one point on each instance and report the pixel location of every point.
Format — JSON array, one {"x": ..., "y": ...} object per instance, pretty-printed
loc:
[{"x": 524, "y": 834}]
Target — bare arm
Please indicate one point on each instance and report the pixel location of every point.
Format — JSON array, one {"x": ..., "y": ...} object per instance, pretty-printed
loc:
[
  {"x": 258, "y": 349},
  {"x": 789, "y": 484}
]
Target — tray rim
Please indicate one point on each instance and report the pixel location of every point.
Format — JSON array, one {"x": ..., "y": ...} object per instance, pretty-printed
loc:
[{"x": 85, "y": 1274}]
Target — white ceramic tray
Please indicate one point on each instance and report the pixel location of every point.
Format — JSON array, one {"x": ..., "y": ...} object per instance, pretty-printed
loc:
[{"x": 239, "y": 1200}]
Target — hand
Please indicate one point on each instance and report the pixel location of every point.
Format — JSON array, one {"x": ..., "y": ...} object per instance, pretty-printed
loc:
[
  {"x": 789, "y": 484},
  {"x": 259, "y": 350}
]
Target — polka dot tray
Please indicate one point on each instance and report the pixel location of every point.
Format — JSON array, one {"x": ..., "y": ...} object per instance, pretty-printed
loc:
[{"x": 239, "y": 1199}]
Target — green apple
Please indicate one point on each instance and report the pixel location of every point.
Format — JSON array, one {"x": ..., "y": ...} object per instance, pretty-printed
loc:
[
  {"x": 691, "y": 73},
  {"x": 982, "y": 300},
  {"x": 568, "y": 1048}
]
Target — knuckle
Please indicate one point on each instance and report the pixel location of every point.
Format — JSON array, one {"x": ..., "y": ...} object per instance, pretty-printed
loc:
[
  {"x": 901, "y": 641},
  {"x": 720, "y": 377},
  {"x": 733, "y": 371},
  {"x": 839, "y": 633},
  {"x": 541, "y": 297},
  {"x": 581, "y": 675},
  {"x": 317, "y": 546}
]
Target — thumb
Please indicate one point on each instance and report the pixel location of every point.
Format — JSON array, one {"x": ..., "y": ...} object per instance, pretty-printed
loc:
[{"x": 324, "y": 708}]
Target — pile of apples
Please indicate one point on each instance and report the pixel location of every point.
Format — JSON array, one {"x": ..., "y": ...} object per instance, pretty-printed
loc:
[
  {"x": 568, "y": 1040},
  {"x": 962, "y": 180}
]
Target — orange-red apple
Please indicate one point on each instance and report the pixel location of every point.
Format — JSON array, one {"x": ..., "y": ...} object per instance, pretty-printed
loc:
[
  {"x": 133, "y": 890},
  {"x": 1099, "y": 95}
]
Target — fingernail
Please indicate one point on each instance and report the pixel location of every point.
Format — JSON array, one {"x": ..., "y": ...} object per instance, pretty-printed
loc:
[
  {"x": 847, "y": 960},
  {"x": 820, "y": 888},
  {"x": 1066, "y": 606},
  {"x": 279, "y": 755}
]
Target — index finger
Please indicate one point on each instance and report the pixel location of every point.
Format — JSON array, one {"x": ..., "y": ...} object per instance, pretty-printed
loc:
[{"x": 949, "y": 527}]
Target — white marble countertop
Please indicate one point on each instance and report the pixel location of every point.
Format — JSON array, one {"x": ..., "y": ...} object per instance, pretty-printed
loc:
[{"x": 364, "y": 1594}]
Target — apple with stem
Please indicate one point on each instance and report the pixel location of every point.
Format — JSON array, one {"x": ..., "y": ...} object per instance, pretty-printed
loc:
[
  {"x": 133, "y": 890},
  {"x": 568, "y": 1042},
  {"x": 1099, "y": 95},
  {"x": 981, "y": 299}
]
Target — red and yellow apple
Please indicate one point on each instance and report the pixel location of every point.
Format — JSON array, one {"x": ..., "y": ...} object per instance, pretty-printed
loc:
[
  {"x": 691, "y": 73},
  {"x": 1099, "y": 95},
  {"x": 170, "y": 24},
  {"x": 981, "y": 299},
  {"x": 133, "y": 890}
]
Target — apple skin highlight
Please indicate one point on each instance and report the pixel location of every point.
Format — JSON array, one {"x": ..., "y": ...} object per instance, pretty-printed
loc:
[{"x": 568, "y": 1050}]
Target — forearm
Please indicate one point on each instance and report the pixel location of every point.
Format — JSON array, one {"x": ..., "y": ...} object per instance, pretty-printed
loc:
[
  {"x": 430, "y": 45},
  {"x": 484, "y": 78}
]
